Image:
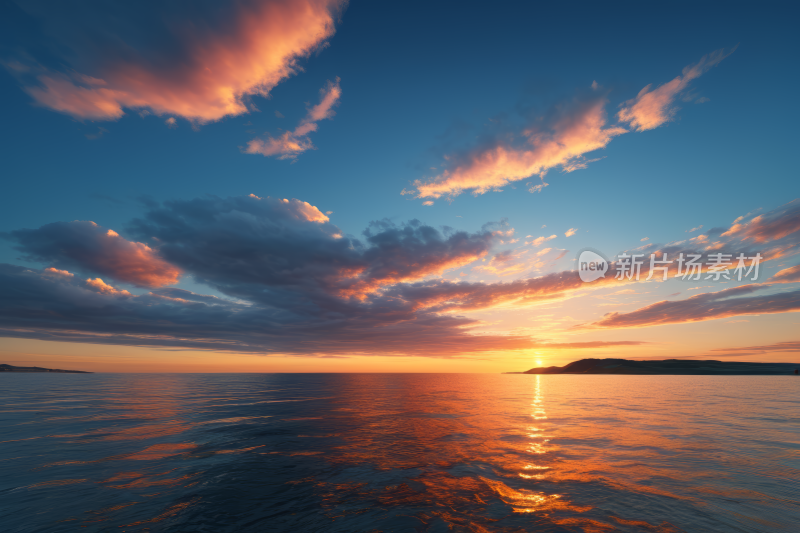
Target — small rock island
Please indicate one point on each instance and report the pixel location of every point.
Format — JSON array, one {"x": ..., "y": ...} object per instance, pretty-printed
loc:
[
  {"x": 668, "y": 367},
  {"x": 12, "y": 368}
]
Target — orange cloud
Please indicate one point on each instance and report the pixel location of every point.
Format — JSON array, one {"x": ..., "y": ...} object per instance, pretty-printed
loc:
[
  {"x": 305, "y": 211},
  {"x": 574, "y": 134},
  {"x": 572, "y": 231},
  {"x": 538, "y": 241},
  {"x": 579, "y": 132},
  {"x": 787, "y": 275},
  {"x": 98, "y": 285},
  {"x": 293, "y": 143},
  {"x": 652, "y": 108},
  {"x": 217, "y": 72},
  {"x": 771, "y": 226},
  {"x": 56, "y": 272}
]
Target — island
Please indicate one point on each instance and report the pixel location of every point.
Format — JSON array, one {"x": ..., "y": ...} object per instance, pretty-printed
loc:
[
  {"x": 12, "y": 368},
  {"x": 668, "y": 367}
]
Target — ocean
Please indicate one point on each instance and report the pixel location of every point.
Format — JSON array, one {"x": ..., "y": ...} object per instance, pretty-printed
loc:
[{"x": 398, "y": 452}]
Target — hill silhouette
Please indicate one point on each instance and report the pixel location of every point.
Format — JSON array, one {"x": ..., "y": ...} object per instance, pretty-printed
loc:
[{"x": 667, "y": 367}]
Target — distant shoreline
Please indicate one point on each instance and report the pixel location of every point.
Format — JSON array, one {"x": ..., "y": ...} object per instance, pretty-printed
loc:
[
  {"x": 668, "y": 367},
  {"x": 34, "y": 369}
]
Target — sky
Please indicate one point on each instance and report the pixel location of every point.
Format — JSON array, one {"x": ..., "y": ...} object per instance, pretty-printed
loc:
[{"x": 322, "y": 186}]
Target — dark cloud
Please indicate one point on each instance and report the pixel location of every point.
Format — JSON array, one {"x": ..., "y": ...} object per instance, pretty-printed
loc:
[
  {"x": 735, "y": 301},
  {"x": 60, "y": 307},
  {"x": 87, "y": 247},
  {"x": 266, "y": 249}
]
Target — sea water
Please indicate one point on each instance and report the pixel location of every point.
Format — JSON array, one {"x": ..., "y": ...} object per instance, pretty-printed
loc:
[{"x": 398, "y": 452}]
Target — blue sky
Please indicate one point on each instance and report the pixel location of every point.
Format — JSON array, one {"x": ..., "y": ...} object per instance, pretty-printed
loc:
[{"x": 421, "y": 81}]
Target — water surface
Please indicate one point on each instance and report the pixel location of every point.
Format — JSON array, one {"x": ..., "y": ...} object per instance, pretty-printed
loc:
[{"x": 398, "y": 452}]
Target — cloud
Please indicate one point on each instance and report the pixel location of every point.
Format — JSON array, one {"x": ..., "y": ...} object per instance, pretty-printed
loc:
[
  {"x": 243, "y": 245},
  {"x": 56, "y": 272},
  {"x": 591, "y": 344},
  {"x": 538, "y": 187},
  {"x": 769, "y": 226},
  {"x": 294, "y": 283},
  {"x": 505, "y": 263},
  {"x": 787, "y": 275},
  {"x": 735, "y": 301},
  {"x": 789, "y": 346},
  {"x": 574, "y": 131},
  {"x": 171, "y": 123},
  {"x": 295, "y": 142},
  {"x": 538, "y": 241},
  {"x": 570, "y": 232},
  {"x": 86, "y": 246},
  {"x": 559, "y": 141},
  {"x": 201, "y": 63},
  {"x": 652, "y": 108},
  {"x": 49, "y": 308},
  {"x": 94, "y": 136},
  {"x": 102, "y": 287}
]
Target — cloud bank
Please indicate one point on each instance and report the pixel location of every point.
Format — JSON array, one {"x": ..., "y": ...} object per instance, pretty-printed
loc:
[{"x": 293, "y": 283}]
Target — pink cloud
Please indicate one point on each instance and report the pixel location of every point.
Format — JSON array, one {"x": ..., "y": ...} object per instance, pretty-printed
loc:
[
  {"x": 293, "y": 143},
  {"x": 652, "y": 108},
  {"x": 787, "y": 275},
  {"x": 578, "y": 132},
  {"x": 771, "y": 226},
  {"x": 563, "y": 145},
  {"x": 570, "y": 232},
  {"x": 218, "y": 71}
]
